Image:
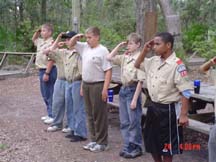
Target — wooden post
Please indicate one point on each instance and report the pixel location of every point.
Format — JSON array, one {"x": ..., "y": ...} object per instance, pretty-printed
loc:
[
  {"x": 150, "y": 26},
  {"x": 3, "y": 60}
]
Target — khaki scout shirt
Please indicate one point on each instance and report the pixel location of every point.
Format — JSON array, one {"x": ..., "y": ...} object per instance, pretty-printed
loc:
[
  {"x": 165, "y": 80},
  {"x": 41, "y": 59},
  {"x": 129, "y": 74},
  {"x": 72, "y": 63},
  {"x": 59, "y": 64}
]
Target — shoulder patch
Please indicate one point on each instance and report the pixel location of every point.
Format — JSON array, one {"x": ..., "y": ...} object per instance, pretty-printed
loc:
[{"x": 182, "y": 70}]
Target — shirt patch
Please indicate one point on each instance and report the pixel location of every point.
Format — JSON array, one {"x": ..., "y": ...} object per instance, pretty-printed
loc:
[{"x": 182, "y": 70}]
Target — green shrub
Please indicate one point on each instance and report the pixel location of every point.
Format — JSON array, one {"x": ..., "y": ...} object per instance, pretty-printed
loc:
[
  {"x": 205, "y": 48},
  {"x": 195, "y": 33}
]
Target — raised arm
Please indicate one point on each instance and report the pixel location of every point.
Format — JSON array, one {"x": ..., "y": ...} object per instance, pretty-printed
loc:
[
  {"x": 54, "y": 45},
  {"x": 36, "y": 35},
  {"x": 74, "y": 39},
  {"x": 147, "y": 47},
  {"x": 206, "y": 66},
  {"x": 115, "y": 50}
]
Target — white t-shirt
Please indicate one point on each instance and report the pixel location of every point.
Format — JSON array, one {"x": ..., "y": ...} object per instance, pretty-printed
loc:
[{"x": 94, "y": 62}]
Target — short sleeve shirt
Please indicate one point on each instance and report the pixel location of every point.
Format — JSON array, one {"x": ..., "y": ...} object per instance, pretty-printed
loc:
[
  {"x": 72, "y": 63},
  {"x": 41, "y": 59},
  {"x": 58, "y": 62},
  {"x": 129, "y": 73},
  {"x": 94, "y": 62},
  {"x": 166, "y": 80}
]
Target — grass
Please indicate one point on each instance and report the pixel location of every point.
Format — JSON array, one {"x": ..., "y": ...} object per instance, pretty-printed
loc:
[{"x": 3, "y": 146}]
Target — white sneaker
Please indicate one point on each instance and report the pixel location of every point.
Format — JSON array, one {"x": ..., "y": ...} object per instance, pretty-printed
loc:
[
  {"x": 48, "y": 120},
  {"x": 99, "y": 148},
  {"x": 89, "y": 146},
  {"x": 44, "y": 118},
  {"x": 53, "y": 128},
  {"x": 66, "y": 130}
]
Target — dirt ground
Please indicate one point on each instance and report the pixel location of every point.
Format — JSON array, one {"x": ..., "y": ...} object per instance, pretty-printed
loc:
[{"x": 23, "y": 136}]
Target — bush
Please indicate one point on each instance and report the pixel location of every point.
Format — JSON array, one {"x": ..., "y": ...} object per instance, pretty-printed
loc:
[{"x": 195, "y": 33}]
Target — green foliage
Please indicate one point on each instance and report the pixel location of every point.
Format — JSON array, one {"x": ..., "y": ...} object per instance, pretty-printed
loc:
[
  {"x": 205, "y": 48},
  {"x": 195, "y": 33}
]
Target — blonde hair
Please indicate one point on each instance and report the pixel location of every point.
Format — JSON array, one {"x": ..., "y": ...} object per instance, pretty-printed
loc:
[
  {"x": 94, "y": 30},
  {"x": 48, "y": 26},
  {"x": 135, "y": 38}
]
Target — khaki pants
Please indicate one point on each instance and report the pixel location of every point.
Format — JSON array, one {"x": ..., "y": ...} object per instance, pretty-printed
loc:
[{"x": 96, "y": 110}]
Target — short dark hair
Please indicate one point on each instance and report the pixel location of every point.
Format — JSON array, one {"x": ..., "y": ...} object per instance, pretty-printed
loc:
[
  {"x": 166, "y": 37},
  {"x": 94, "y": 30}
]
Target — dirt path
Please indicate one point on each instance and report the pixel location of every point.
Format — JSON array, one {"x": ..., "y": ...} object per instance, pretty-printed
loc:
[{"x": 23, "y": 137}]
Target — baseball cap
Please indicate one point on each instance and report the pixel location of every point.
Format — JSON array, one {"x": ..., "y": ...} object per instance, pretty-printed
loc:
[{"x": 69, "y": 34}]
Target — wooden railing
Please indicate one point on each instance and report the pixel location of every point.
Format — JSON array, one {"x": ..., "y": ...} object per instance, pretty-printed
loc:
[{"x": 6, "y": 54}]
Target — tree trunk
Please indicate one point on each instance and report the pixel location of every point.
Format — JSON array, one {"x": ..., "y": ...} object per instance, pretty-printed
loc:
[
  {"x": 43, "y": 11},
  {"x": 172, "y": 21},
  {"x": 146, "y": 18},
  {"x": 21, "y": 8}
]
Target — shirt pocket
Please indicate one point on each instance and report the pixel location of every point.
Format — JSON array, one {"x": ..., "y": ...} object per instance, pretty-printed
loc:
[
  {"x": 97, "y": 60},
  {"x": 165, "y": 85}
]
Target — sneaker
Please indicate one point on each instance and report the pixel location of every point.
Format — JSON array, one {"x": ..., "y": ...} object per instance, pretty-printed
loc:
[
  {"x": 99, "y": 148},
  {"x": 77, "y": 138},
  {"x": 66, "y": 130},
  {"x": 48, "y": 121},
  {"x": 122, "y": 152},
  {"x": 89, "y": 146},
  {"x": 53, "y": 128},
  {"x": 70, "y": 135},
  {"x": 44, "y": 118},
  {"x": 133, "y": 151}
]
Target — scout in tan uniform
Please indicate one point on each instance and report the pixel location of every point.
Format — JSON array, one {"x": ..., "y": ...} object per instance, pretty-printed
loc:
[
  {"x": 74, "y": 100},
  {"x": 47, "y": 71},
  {"x": 130, "y": 108},
  {"x": 168, "y": 86}
]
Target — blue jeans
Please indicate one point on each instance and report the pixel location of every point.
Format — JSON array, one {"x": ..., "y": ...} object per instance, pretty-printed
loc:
[
  {"x": 130, "y": 120},
  {"x": 75, "y": 109},
  {"x": 47, "y": 88},
  {"x": 58, "y": 104},
  {"x": 212, "y": 144}
]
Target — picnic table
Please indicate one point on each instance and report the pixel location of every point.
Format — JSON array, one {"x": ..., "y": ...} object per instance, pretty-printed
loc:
[{"x": 197, "y": 101}]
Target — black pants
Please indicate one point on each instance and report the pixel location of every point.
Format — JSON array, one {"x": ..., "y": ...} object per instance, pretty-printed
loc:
[{"x": 162, "y": 135}]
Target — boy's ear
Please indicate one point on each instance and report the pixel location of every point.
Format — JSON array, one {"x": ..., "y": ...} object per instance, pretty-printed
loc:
[{"x": 169, "y": 45}]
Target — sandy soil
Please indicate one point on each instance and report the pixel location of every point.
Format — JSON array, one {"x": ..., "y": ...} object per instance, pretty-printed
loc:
[{"x": 23, "y": 137}]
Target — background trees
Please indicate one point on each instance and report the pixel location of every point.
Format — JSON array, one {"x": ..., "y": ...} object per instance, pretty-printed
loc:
[{"x": 191, "y": 20}]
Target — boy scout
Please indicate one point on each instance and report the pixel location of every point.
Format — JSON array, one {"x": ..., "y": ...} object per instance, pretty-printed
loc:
[
  {"x": 130, "y": 108},
  {"x": 168, "y": 86},
  {"x": 96, "y": 73},
  {"x": 74, "y": 101},
  {"x": 47, "y": 71}
]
